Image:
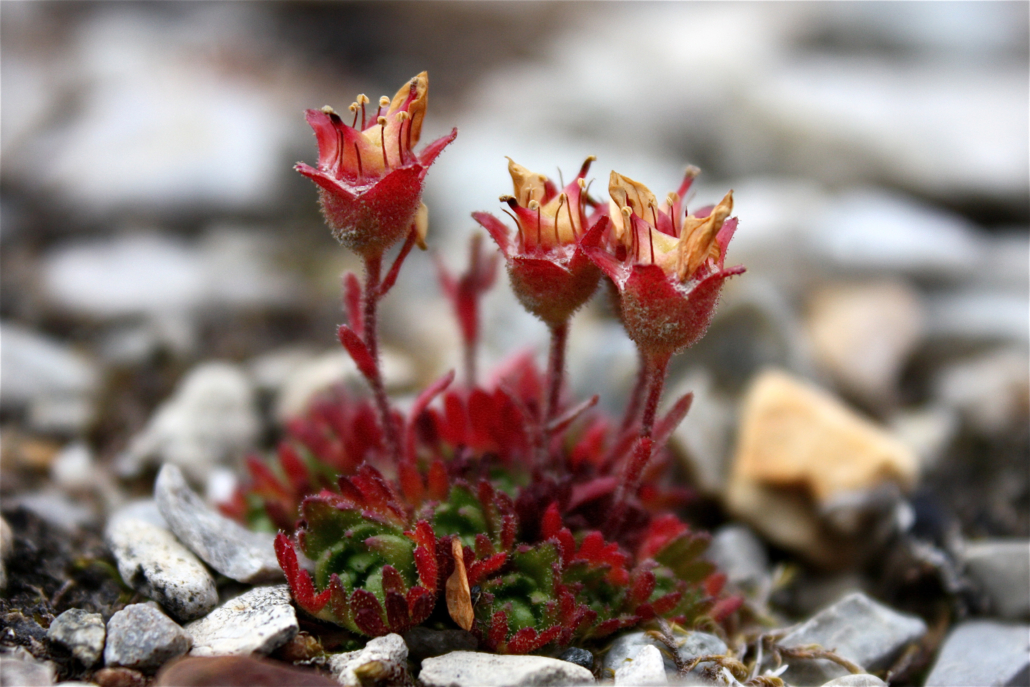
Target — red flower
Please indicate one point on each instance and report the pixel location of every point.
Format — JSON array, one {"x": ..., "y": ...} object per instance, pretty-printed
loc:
[
  {"x": 549, "y": 271},
  {"x": 668, "y": 268},
  {"x": 369, "y": 180}
]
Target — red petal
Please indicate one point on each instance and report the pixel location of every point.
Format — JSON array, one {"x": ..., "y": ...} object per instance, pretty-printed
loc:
[
  {"x": 432, "y": 151},
  {"x": 498, "y": 232}
]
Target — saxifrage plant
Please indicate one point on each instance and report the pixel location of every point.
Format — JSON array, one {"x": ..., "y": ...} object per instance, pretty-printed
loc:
[{"x": 557, "y": 517}]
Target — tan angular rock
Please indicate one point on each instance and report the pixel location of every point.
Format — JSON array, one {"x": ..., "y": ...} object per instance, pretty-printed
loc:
[
  {"x": 862, "y": 334},
  {"x": 811, "y": 474}
]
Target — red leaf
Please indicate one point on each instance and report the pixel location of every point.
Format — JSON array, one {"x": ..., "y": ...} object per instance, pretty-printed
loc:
[
  {"x": 420, "y": 604},
  {"x": 498, "y": 629},
  {"x": 397, "y": 611},
  {"x": 300, "y": 581},
  {"x": 392, "y": 580},
  {"x": 421, "y": 402},
  {"x": 551, "y": 522},
  {"x": 358, "y": 351},
  {"x": 425, "y": 553},
  {"x": 481, "y": 569},
  {"x": 439, "y": 484},
  {"x": 411, "y": 483},
  {"x": 667, "y": 425},
  {"x": 368, "y": 613},
  {"x": 664, "y": 604}
]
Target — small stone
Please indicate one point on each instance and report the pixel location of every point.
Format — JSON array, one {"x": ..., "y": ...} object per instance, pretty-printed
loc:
[
  {"x": 383, "y": 659},
  {"x": 6, "y": 549},
  {"x": 1001, "y": 568},
  {"x": 232, "y": 550},
  {"x": 476, "y": 669},
  {"x": 210, "y": 420},
  {"x": 991, "y": 392},
  {"x": 73, "y": 468},
  {"x": 646, "y": 668},
  {"x": 424, "y": 642},
  {"x": 143, "y": 638},
  {"x": 57, "y": 508},
  {"x": 974, "y": 316},
  {"x": 237, "y": 671},
  {"x": 119, "y": 677},
  {"x": 39, "y": 370},
  {"x": 581, "y": 657},
  {"x": 81, "y": 632},
  {"x": 862, "y": 334},
  {"x": 153, "y": 562},
  {"x": 257, "y": 621},
  {"x": 689, "y": 645},
  {"x": 856, "y": 680},
  {"x": 20, "y": 668},
  {"x": 984, "y": 653},
  {"x": 741, "y": 555},
  {"x": 794, "y": 436},
  {"x": 858, "y": 629},
  {"x": 140, "y": 509}
]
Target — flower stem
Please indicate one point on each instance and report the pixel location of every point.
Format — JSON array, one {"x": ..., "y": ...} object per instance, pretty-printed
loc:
[
  {"x": 556, "y": 369},
  {"x": 391, "y": 434},
  {"x": 656, "y": 367}
]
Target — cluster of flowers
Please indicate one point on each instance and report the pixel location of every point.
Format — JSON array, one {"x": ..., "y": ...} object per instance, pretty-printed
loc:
[{"x": 534, "y": 519}]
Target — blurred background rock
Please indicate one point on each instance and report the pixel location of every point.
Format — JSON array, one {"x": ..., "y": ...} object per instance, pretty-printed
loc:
[{"x": 151, "y": 224}]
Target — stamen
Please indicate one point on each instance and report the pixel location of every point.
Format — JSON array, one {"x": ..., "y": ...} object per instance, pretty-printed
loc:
[
  {"x": 354, "y": 108},
  {"x": 518, "y": 225},
  {"x": 673, "y": 199},
  {"x": 362, "y": 100},
  {"x": 382, "y": 141},
  {"x": 627, "y": 222},
  {"x": 561, "y": 201},
  {"x": 650, "y": 236},
  {"x": 328, "y": 110},
  {"x": 402, "y": 117},
  {"x": 571, "y": 222},
  {"x": 535, "y": 205},
  {"x": 357, "y": 154},
  {"x": 384, "y": 101}
]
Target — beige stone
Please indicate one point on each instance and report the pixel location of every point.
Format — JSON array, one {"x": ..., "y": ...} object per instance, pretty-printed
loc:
[
  {"x": 794, "y": 434},
  {"x": 862, "y": 334},
  {"x": 813, "y": 476}
]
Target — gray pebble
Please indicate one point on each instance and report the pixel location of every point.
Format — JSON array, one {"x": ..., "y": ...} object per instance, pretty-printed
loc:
[
  {"x": 226, "y": 546},
  {"x": 143, "y": 638},
  {"x": 383, "y": 659},
  {"x": 476, "y": 669},
  {"x": 856, "y": 680},
  {"x": 646, "y": 668},
  {"x": 153, "y": 562},
  {"x": 19, "y": 668},
  {"x": 581, "y": 657},
  {"x": 1001, "y": 568},
  {"x": 81, "y": 632},
  {"x": 257, "y": 621},
  {"x": 983, "y": 653},
  {"x": 690, "y": 645},
  {"x": 858, "y": 629}
]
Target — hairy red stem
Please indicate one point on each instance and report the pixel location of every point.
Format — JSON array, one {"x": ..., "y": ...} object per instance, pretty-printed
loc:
[
  {"x": 391, "y": 432},
  {"x": 657, "y": 367}
]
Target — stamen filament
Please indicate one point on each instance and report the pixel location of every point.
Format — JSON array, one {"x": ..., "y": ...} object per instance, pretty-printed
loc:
[{"x": 382, "y": 141}]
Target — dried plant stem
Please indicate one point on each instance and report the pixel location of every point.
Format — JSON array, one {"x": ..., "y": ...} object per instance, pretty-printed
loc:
[{"x": 391, "y": 433}]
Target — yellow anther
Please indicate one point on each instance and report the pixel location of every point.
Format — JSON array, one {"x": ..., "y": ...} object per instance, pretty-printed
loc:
[
  {"x": 384, "y": 101},
  {"x": 353, "y": 107},
  {"x": 362, "y": 99},
  {"x": 381, "y": 121},
  {"x": 672, "y": 198},
  {"x": 505, "y": 198},
  {"x": 534, "y": 204},
  {"x": 328, "y": 110},
  {"x": 402, "y": 116},
  {"x": 627, "y": 210},
  {"x": 582, "y": 183}
]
